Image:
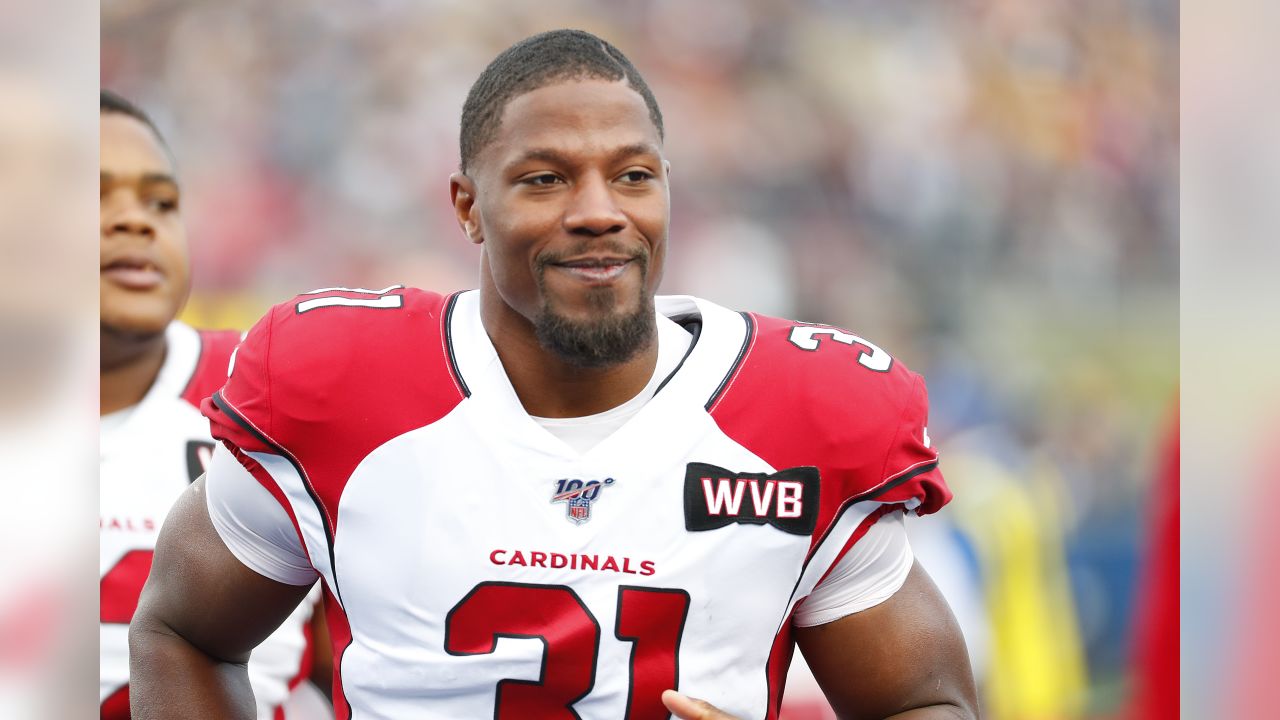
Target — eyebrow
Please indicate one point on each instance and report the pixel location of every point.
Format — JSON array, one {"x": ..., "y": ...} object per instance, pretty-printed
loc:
[
  {"x": 555, "y": 156},
  {"x": 151, "y": 178}
]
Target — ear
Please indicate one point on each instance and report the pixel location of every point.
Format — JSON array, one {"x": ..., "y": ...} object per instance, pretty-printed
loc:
[{"x": 462, "y": 191}]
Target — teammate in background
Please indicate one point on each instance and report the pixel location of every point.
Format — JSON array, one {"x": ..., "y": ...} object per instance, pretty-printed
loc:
[
  {"x": 155, "y": 371},
  {"x": 558, "y": 496}
]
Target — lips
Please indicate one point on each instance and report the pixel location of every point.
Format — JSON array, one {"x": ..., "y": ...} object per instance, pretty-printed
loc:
[
  {"x": 133, "y": 272},
  {"x": 594, "y": 270}
]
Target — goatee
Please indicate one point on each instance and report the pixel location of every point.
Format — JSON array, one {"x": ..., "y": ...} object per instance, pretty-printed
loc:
[{"x": 607, "y": 339}]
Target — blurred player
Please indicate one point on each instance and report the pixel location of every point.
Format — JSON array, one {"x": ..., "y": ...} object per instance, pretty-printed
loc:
[
  {"x": 558, "y": 496},
  {"x": 154, "y": 373}
]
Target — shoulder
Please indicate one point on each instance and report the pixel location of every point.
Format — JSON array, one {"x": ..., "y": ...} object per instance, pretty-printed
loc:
[
  {"x": 322, "y": 332},
  {"x": 345, "y": 352},
  {"x": 805, "y": 368},
  {"x": 329, "y": 376},
  {"x": 311, "y": 323},
  {"x": 805, "y": 394}
]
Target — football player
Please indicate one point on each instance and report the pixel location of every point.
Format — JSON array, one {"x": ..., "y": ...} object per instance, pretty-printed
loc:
[
  {"x": 154, "y": 373},
  {"x": 559, "y": 495}
]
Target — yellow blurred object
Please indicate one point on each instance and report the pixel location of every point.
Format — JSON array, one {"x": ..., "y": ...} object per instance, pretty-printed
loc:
[
  {"x": 234, "y": 311},
  {"x": 1037, "y": 666}
]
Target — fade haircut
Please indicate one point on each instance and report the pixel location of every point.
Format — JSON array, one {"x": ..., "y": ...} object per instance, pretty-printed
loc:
[
  {"x": 110, "y": 102},
  {"x": 535, "y": 62}
]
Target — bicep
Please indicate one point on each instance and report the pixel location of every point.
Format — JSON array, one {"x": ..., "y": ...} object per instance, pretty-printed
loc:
[
  {"x": 200, "y": 591},
  {"x": 906, "y": 652}
]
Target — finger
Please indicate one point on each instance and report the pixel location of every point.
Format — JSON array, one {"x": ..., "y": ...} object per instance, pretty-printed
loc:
[{"x": 687, "y": 708}]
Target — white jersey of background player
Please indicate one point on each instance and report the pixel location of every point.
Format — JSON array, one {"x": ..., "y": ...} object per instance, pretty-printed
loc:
[
  {"x": 155, "y": 372},
  {"x": 556, "y": 497}
]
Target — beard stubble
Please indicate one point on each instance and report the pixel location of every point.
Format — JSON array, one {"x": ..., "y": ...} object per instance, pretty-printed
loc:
[{"x": 608, "y": 338}]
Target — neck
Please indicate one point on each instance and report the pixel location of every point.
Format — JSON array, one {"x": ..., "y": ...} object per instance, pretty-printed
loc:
[
  {"x": 547, "y": 385},
  {"x": 129, "y": 366}
]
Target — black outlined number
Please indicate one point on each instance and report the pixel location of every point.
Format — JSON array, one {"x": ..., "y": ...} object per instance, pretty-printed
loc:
[
  {"x": 651, "y": 619},
  {"x": 871, "y": 356}
]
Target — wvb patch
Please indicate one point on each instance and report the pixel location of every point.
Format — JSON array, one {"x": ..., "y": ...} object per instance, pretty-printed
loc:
[
  {"x": 577, "y": 495},
  {"x": 715, "y": 497}
]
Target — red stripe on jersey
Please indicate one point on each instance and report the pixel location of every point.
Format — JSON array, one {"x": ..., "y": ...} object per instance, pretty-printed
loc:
[
  {"x": 783, "y": 646},
  {"x": 779, "y": 662},
  {"x": 863, "y": 528},
  {"x": 340, "y": 639},
  {"x": 210, "y": 374},
  {"x": 264, "y": 479}
]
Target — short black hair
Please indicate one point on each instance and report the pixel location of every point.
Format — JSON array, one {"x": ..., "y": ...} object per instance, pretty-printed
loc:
[
  {"x": 110, "y": 102},
  {"x": 536, "y": 62}
]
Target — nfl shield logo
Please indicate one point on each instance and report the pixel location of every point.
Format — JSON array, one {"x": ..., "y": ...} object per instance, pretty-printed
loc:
[{"x": 577, "y": 495}]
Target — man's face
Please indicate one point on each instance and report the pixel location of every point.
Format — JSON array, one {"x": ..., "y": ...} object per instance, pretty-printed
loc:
[
  {"x": 144, "y": 265},
  {"x": 572, "y": 208}
]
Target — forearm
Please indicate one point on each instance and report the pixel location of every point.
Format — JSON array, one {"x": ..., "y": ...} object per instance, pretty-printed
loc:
[{"x": 171, "y": 679}]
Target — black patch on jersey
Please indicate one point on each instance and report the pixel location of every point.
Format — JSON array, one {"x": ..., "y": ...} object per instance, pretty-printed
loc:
[
  {"x": 715, "y": 497},
  {"x": 198, "y": 454}
]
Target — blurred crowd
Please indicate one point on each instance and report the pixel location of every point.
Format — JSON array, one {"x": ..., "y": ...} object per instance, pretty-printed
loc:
[{"x": 986, "y": 188}]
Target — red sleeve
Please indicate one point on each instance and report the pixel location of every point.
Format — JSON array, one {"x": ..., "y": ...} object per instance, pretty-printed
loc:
[
  {"x": 329, "y": 376},
  {"x": 863, "y": 428},
  {"x": 248, "y": 390},
  {"x": 910, "y": 472}
]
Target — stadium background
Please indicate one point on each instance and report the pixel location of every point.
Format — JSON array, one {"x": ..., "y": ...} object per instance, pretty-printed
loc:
[{"x": 987, "y": 188}]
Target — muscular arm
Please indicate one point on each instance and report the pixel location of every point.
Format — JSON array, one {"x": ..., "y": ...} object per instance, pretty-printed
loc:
[
  {"x": 903, "y": 659},
  {"x": 201, "y": 613}
]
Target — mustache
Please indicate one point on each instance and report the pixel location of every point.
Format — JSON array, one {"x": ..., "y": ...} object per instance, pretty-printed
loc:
[{"x": 608, "y": 246}]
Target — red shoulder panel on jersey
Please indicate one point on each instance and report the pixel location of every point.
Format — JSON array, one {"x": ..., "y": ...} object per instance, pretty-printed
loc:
[
  {"x": 216, "y": 347},
  {"x": 327, "y": 377},
  {"x": 809, "y": 395}
]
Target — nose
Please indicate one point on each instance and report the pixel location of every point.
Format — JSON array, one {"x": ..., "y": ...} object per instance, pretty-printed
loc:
[
  {"x": 593, "y": 209},
  {"x": 126, "y": 217}
]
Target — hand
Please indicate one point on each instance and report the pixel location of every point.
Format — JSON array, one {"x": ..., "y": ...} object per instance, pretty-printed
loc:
[{"x": 687, "y": 708}]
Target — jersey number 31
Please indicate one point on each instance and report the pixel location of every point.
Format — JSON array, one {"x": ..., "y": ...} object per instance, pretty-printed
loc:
[{"x": 652, "y": 619}]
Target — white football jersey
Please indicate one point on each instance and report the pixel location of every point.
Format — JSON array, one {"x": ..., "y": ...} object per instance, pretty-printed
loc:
[
  {"x": 475, "y": 565},
  {"x": 149, "y": 454}
]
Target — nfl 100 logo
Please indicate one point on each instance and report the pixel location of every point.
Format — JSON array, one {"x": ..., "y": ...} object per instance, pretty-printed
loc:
[{"x": 577, "y": 495}]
